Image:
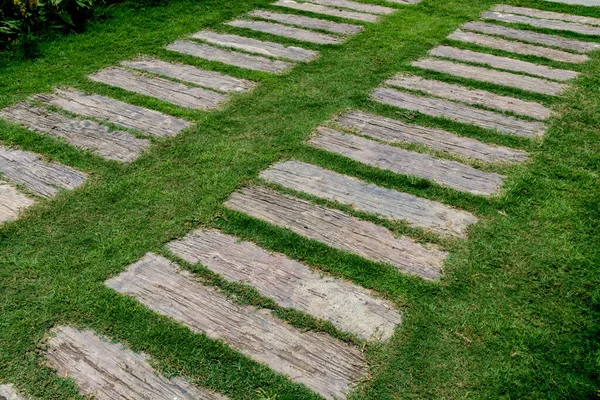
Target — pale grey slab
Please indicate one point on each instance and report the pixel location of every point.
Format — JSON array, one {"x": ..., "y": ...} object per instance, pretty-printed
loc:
[
  {"x": 256, "y": 46},
  {"x": 307, "y": 22},
  {"x": 84, "y": 134},
  {"x": 12, "y": 202},
  {"x": 392, "y": 130},
  {"x": 471, "y": 96},
  {"x": 370, "y": 198},
  {"x": 291, "y": 284},
  {"x": 40, "y": 177},
  {"x": 534, "y": 13},
  {"x": 588, "y": 3},
  {"x": 459, "y": 112},
  {"x": 353, "y": 5},
  {"x": 527, "y": 83},
  {"x": 404, "y": 1},
  {"x": 188, "y": 73},
  {"x": 324, "y": 364},
  {"x": 8, "y": 392},
  {"x": 292, "y": 32},
  {"x": 532, "y": 37},
  {"x": 503, "y": 63},
  {"x": 234, "y": 58},
  {"x": 517, "y": 47},
  {"x": 339, "y": 230},
  {"x": 334, "y": 12},
  {"x": 109, "y": 371},
  {"x": 159, "y": 88},
  {"x": 117, "y": 112},
  {"x": 542, "y": 23}
]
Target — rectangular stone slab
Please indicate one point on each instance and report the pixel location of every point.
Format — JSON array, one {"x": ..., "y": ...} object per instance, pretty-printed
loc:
[
  {"x": 517, "y": 47},
  {"x": 393, "y": 130},
  {"x": 324, "y": 364},
  {"x": 471, "y": 96},
  {"x": 334, "y": 12},
  {"x": 110, "y": 371},
  {"x": 444, "y": 172},
  {"x": 353, "y": 5},
  {"x": 261, "y": 47},
  {"x": 459, "y": 112},
  {"x": 503, "y": 63},
  {"x": 366, "y": 197},
  {"x": 159, "y": 88},
  {"x": 543, "y": 23},
  {"x": 187, "y": 73},
  {"x": 339, "y": 230},
  {"x": 12, "y": 202},
  {"x": 8, "y": 392},
  {"x": 532, "y": 37},
  {"x": 234, "y": 58},
  {"x": 527, "y": 83},
  {"x": 41, "y": 177},
  {"x": 532, "y": 12},
  {"x": 285, "y": 31},
  {"x": 307, "y": 22},
  {"x": 83, "y": 134},
  {"x": 147, "y": 121},
  {"x": 291, "y": 284},
  {"x": 588, "y": 3}
]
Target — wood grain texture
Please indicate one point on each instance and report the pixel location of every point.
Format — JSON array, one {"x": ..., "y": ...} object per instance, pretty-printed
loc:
[
  {"x": 532, "y": 37},
  {"x": 8, "y": 392},
  {"x": 542, "y": 23},
  {"x": 109, "y": 371},
  {"x": 334, "y": 12},
  {"x": 12, "y": 202},
  {"x": 150, "y": 122},
  {"x": 234, "y": 58},
  {"x": 370, "y": 198},
  {"x": 41, "y": 177},
  {"x": 517, "y": 47},
  {"x": 527, "y": 83},
  {"x": 291, "y": 284},
  {"x": 471, "y": 96},
  {"x": 324, "y": 364},
  {"x": 393, "y": 130},
  {"x": 291, "y": 32},
  {"x": 503, "y": 63},
  {"x": 187, "y": 73},
  {"x": 159, "y": 88},
  {"x": 83, "y": 134},
  {"x": 308, "y": 22},
  {"x": 339, "y": 230},
  {"x": 261, "y": 47},
  {"x": 459, "y": 112},
  {"x": 353, "y": 5},
  {"x": 534, "y": 13}
]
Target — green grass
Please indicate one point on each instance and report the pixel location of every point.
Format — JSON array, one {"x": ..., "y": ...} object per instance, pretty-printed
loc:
[{"x": 517, "y": 314}]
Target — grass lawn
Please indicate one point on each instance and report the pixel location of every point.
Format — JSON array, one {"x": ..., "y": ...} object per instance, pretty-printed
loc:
[{"x": 517, "y": 314}]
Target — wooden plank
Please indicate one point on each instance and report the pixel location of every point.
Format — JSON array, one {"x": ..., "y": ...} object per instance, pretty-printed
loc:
[
  {"x": 42, "y": 178},
  {"x": 339, "y": 230},
  {"x": 324, "y": 364},
  {"x": 471, "y": 96},
  {"x": 517, "y": 47},
  {"x": 117, "y": 112},
  {"x": 534, "y": 13},
  {"x": 285, "y": 31},
  {"x": 234, "y": 58},
  {"x": 444, "y": 172},
  {"x": 334, "y": 12},
  {"x": 393, "y": 130},
  {"x": 363, "y": 196},
  {"x": 532, "y": 37},
  {"x": 83, "y": 134},
  {"x": 159, "y": 88},
  {"x": 291, "y": 284},
  {"x": 353, "y": 5},
  {"x": 187, "y": 73},
  {"x": 12, "y": 202},
  {"x": 8, "y": 392},
  {"x": 587, "y": 3},
  {"x": 527, "y": 83},
  {"x": 503, "y": 63},
  {"x": 459, "y": 112},
  {"x": 307, "y": 22},
  {"x": 542, "y": 23},
  {"x": 261, "y": 47},
  {"x": 109, "y": 371}
]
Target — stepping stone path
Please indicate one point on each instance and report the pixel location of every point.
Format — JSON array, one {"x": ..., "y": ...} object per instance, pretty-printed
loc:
[
  {"x": 324, "y": 364},
  {"x": 8, "y": 392},
  {"x": 308, "y": 22},
  {"x": 107, "y": 370},
  {"x": 352, "y": 5},
  {"x": 542, "y": 23},
  {"x": 285, "y": 31},
  {"x": 334, "y": 12}
]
